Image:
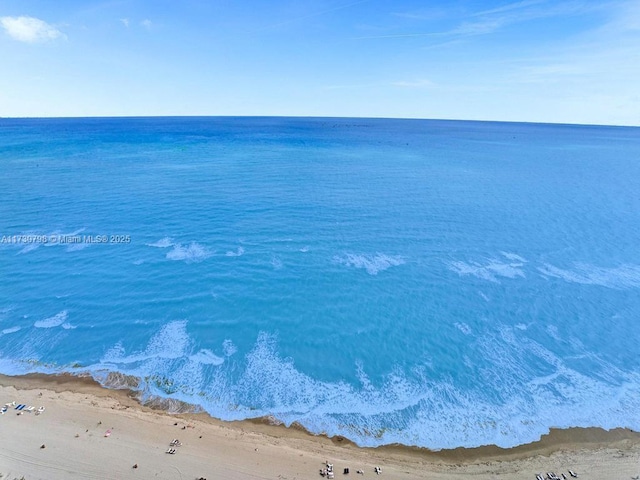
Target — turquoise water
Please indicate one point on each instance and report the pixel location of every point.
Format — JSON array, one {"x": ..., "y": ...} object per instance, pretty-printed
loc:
[{"x": 432, "y": 283}]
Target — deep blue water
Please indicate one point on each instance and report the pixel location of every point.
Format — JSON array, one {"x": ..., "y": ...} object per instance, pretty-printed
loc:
[{"x": 432, "y": 283}]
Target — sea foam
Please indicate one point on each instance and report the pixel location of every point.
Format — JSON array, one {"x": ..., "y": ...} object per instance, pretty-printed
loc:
[
  {"x": 55, "y": 321},
  {"x": 403, "y": 285},
  {"x": 192, "y": 253},
  {"x": 372, "y": 264}
]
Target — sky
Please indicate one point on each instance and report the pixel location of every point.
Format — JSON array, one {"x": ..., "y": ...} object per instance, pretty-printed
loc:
[{"x": 571, "y": 61}]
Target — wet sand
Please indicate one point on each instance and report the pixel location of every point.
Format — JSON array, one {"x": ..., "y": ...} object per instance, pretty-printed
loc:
[{"x": 78, "y": 412}]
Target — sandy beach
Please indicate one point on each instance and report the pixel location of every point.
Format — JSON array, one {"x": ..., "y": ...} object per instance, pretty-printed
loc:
[{"x": 68, "y": 439}]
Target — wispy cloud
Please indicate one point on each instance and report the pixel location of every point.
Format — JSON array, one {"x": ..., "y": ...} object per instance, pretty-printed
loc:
[
  {"x": 489, "y": 21},
  {"x": 30, "y": 29},
  {"x": 556, "y": 72},
  {"x": 510, "y": 7},
  {"x": 610, "y": 50},
  {"x": 401, "y": 35},
  {"x": 125, "y": 22},
  {"x": 146, "y": 23},
  {"x": 423, "y": 14},
  {"x": 626, "y": 17}
]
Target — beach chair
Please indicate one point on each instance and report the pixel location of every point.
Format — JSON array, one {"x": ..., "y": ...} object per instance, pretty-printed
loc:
[
  {"x": 107, "y": 433},
  {"x": 29, "y": 409},
  {"x": 40, "y": 410},
  {"x": 573, "y": 474}
]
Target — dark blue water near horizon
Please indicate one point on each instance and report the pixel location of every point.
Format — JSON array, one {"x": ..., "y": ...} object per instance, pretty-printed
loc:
[{"x": 426, "y": 282}]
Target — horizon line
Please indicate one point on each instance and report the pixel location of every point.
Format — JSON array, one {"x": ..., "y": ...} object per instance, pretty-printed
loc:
[{"x": 529, "y": 122}]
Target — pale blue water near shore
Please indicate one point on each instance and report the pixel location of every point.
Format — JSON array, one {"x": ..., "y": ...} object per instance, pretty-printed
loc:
[{"x": 431, "y": 283}]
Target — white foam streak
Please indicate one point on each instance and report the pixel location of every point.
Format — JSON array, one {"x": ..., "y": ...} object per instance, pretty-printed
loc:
[
  {"x": 463, "y": 327},
  {"x": 51, "y": 322},
  {"x": 162, "y": 243},
  {"x": 171, "y": 342},
  {"x": 29, "y": 248},
  {"x": 192, "y": 253},
  {"x": 206, "y": 357},
  {"x": 238, "y": 253},
  {"x": 229, "y": 348},
  {"x": 9, "y": 330},
  {"x": 621, "y": 277},
  {"x": 372, "y": 264},
  {"x": 489, "y": 270},
  {"x": 513, "y": 257}
]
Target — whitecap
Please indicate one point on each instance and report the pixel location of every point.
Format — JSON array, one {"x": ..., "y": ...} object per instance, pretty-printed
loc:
[
  {"x": 238, "y": 253},
  {"x": 162, "y": 243},
  {"x": 206, "y": 357},
  {"x": 68, "y": 326},
  {"x": 171, "y": 342},
  {"x": 55, "y": 321},
  {"x": 276, "y": 263},
  {"x": 229, "y": 348},
  {"x": 489, "y": 270},
  {"x": 193, "y": 253},
  {"x": 513, "y": 257},
  {"x": 372, "y": 264}
]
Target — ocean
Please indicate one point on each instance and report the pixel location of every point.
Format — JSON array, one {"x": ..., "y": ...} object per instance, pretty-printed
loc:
[{"x": 422, "y": 282}]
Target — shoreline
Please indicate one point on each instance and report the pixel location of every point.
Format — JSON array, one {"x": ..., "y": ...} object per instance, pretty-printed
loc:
[{"x": 77, "y": 399}]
